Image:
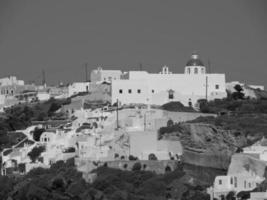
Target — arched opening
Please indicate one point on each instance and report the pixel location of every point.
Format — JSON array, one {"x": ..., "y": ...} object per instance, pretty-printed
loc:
[
  {"x": 168, "y": 169},
  {"x": 171, "y": 94},
  {"x": 196, "y": 70},
  {"x": 188, "y": 70},
  {"x": 190, "y": 102},
  {"x": 152, "y": 156},
  {"x": 125, "y": 166}
]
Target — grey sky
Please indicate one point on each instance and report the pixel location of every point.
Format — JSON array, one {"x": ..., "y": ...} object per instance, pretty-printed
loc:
[{"x": 61, "y": 35}]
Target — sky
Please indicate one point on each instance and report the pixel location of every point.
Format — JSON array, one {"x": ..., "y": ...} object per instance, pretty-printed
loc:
[{"x": 60, "y": 36}]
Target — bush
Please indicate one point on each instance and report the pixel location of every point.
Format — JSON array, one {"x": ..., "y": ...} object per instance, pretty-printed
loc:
[
  {"x": 137, "y": 166},
  {"x": 176, "y": 106},
  {"x": 37, "y": 133},
  {"x": 152, "y": 156},
  {"x": 131, "y": 157},
  {"x": 36, "y": 152}
]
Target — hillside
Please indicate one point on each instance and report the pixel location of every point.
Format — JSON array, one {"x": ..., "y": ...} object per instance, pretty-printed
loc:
[
  {"x": 205, "y": 142},
  {"x": 63, "y": 182}
]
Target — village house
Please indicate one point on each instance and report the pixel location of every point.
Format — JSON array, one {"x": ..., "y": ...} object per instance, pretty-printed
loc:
[
  {"x": 259, "y": 150},
  {"x": 78, "y": 87},
  {"x": 233, "y": 183},
  {"x": 99, "y": 75}
]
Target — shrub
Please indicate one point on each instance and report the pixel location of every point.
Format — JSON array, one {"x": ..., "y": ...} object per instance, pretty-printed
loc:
[
  {"x": 137, "y": 166},
  {"x": 37, "y": 133},
  {"x": 131, "y": 157},
  {"x": 36, "y": 152},
  {"x": 152, "y": 156}
]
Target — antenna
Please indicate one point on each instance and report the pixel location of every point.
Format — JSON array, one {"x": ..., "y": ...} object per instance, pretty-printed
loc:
[
  {"x": 140, "y": 66},
  {"x": 86, "y": 72},
  {"x": 206, "y": 85},
  {"x": 209, "y": 66},
  {"x": 43, "y": 77}
]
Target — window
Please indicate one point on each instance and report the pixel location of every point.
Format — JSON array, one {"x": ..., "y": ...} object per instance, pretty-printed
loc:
[
  {"x": 196, "y": 70},
  {"x": 188, "y": 70},
  {"x": 120, "y": 91},
  {"x": 231, "y": 181},
  {"x": 217, "y": 86},
  {"x": 202, "y": 71},
  {"x": 235, "y": 180},
  {"x": 249, "y": 185},
  {"x": 129, "y": 91},
  {"x": 153, "y": 91},
  {"x": 171, "y": 94},
  {"x": 138, "y": 91},
  {"x": 220, "y": 182}
]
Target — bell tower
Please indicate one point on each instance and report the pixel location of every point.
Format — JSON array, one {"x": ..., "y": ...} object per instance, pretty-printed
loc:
[{"x": 194, "y": 65}]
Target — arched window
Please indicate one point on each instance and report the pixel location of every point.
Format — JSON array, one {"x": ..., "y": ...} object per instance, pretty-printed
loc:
[
  {"x": 202, "y": 70},
  {"x": 188, "y": 70},
  {"x": 168, "y": 168},
  {"x": 196, "y": 70}
]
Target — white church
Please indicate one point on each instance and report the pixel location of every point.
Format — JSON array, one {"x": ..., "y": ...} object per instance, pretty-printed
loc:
[{"x": 141, "y": 87}]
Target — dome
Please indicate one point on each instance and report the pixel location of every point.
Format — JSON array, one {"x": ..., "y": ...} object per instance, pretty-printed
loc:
[{"x": 194, "y": 61}]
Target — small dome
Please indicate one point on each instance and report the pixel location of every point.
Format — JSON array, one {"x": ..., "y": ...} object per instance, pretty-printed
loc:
[{"x": 194, "y": 61}]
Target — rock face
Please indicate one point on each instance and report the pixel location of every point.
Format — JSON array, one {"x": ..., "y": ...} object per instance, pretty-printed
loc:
[
  {"x": 247, "y": 164},
  {"x": 206, "y": 145}
]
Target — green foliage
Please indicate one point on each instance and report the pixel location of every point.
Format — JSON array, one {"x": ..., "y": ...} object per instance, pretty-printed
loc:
[
  {"x": 63, "y": 181},
  {"x": 137, "y": 166},
  {"x": 170, "y": 123},
  {"x": 152, "y": 156},
  {"x": 235, "y": 105},
  {"x": 6, "y": 185},
  {"x": 252, "y": 125},
  {"x": 131, "y": 157},
  {"x": 36, "y": 152},
  {"x": 168, "y": 129},
  {"x": 70, "y": 150},
  {"x": 37, "y": 132},
  {"x": 176, "y": 106}
]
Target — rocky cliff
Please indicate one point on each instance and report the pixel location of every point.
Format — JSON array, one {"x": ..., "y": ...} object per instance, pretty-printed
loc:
[{"x": 206, "y": 145}]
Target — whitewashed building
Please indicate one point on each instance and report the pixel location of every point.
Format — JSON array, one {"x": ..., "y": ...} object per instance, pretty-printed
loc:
[
  {"x": 99, "y": 75},
  {"x": 11, "y": 80},
  {"x": 195, "y": 83},
  {"x": 78, "y": 87},
  {"x": 233, "y": 183}
]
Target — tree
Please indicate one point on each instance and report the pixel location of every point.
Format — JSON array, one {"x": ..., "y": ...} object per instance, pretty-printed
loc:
[
  {"x": 152, "y": 156},
  {"x": 238, "y": 94},
  {"x": 37, "y": 132},
  {"x": 170, "y": 123},
  {"x": 53, "y": 107},
  {"x": 131, "y": 157},
  {"x": 36, "y": 152},
  {"x": 230, "y": 196},
  {"x": 137, "y": 166}
]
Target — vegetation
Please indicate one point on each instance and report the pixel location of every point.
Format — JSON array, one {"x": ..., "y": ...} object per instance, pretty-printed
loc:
[
  {"x": 236, "y": 106},
  {"x": 20, "y": 116},
  {"x": 177, "y": 106},
  {"x": 36, "y": 152},
  {"x": 251, "y": 126},
  {"x": 37, "y": 132},
  {"x": 63, "y": 181}
]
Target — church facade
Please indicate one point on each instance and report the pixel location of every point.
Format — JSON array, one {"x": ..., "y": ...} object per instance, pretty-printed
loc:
[{"x": 141, "y": 87}]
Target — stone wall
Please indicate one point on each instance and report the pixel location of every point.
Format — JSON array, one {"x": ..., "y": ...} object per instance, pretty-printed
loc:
[
  {"x": 207, "y": 159},
  {"x": 159, "y": 167}
]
